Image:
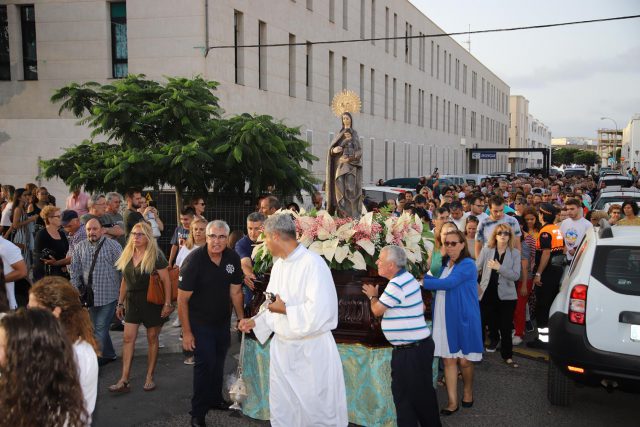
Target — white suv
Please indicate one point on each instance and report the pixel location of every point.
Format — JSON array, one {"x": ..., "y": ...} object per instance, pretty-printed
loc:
[{"x": 594, "y": 322}]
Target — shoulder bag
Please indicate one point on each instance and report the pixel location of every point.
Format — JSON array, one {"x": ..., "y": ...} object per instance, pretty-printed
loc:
[
  {"x": 86, "y": 290},
  {"x": 155, "y": 293}
]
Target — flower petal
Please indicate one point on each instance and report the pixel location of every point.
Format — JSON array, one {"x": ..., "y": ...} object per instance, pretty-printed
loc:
[
  {"x": 367, "y": 245},
  {"x": 358, "y": 261},
  {"x": 341, "y": 253}
]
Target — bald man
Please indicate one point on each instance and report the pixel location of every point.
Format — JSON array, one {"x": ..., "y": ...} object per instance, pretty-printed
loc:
[{"x": 104, "y": 279}]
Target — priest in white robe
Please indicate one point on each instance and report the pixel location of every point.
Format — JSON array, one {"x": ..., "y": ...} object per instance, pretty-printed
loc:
[{"x": 305, "y": 375}]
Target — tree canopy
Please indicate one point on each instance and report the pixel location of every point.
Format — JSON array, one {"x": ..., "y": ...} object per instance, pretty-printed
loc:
[
  {"x": 570, "y": 155},
  {"x": 149, "y": 134}
]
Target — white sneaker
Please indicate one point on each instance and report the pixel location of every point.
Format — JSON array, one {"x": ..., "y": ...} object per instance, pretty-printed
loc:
[
  {"x": 516, "y": 340},
  {"x": 176, "y": 323}
]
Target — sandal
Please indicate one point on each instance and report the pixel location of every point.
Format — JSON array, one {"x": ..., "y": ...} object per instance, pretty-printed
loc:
[
  {"x": 120, "y": 387},
  {"x": 149, "y": 386},
  {"x": 511, "y": 363}
]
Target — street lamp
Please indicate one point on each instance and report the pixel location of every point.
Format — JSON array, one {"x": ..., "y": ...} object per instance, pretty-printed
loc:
[{"x": 616, "y": 134}]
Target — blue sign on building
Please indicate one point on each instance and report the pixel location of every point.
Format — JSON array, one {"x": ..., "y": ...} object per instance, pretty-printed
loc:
[{"x": 488, "y": 155}]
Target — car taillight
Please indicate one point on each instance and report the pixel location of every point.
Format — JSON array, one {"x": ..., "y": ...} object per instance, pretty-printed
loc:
[{"x": 578, "y": 304}]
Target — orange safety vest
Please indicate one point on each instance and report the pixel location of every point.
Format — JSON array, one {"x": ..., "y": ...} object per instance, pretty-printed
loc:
[{"x": 557, "y": 241}]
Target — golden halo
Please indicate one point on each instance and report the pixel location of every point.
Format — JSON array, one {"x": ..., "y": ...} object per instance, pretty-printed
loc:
[{"x": 346, "y": 101}]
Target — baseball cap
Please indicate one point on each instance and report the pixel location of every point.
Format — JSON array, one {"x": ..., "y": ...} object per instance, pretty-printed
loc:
[{"x": 67, "y": 216}]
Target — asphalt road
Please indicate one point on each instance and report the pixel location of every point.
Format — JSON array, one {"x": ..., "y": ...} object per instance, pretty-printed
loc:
[{"x": 504, "y": 396}]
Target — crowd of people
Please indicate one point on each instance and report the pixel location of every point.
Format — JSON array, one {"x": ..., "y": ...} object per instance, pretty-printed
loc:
[{"x": 499, "y": 255}]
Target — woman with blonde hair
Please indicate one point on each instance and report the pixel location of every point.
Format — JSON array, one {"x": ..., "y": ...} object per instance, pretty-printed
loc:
[
  {"x": 197, "y": 237},
  {"x": 59, "y": 296},
  {"x": 499, "y": 264},
  {"x": 140, "y": 258}
]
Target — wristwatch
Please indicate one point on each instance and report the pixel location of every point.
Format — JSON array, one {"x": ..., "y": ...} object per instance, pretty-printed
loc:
[
  {"x": 372, "y": 297},
  {"x": 538, "y": 275}
]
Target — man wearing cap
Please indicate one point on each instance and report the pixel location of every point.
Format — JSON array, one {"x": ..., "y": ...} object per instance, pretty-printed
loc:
[
  {"x": 105, "y": 280},
  {"x": 549, "y": 265},
  {"x": 75, "y": 232}
]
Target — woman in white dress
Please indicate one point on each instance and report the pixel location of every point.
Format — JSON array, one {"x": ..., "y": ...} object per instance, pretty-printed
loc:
[{"x": 457, "y": 331}]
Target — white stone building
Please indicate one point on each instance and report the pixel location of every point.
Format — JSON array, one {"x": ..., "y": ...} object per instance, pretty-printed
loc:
[
  {"x": 425, "y": 100},
  {"x": 631, "y": 143},
  {"x": 525, "y": 131}
]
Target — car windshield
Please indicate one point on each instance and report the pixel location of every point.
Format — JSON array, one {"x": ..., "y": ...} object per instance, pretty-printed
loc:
[
  {"x": 618, "y": 268},
  {"x": 601, "y": 202}
]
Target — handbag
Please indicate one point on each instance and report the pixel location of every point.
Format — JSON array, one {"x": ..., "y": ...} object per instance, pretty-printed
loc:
[
  {"x": 155, "y": 293},
  {"x": 86, "y": 290}
]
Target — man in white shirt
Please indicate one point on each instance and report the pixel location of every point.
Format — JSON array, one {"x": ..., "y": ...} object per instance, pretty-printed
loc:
[
  {"x": 14, "y": 268},
  {"x": 477, "y": 208},
  {"x": 306, "y": 382},
  {"x": 574, "y": 227}
]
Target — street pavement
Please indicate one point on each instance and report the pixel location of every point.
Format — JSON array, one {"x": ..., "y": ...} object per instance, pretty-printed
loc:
[{"x": 504, "y": 396}]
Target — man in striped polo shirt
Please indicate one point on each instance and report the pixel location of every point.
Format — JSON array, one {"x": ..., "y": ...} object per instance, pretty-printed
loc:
[{"x": 404, "y": 327}]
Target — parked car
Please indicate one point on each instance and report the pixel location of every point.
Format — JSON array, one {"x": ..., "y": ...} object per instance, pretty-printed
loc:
[
  {"x": 410, "y": 183},
  {"x": 475, "y": 179},
  {"x": 617, "y": 179},
  {"x": 575, "y": 171},
  {"x": 615, "y": 194},
  {"x": 455, "y": 179},
  {"x": 380, "y": 194},
  {"x": 594, "y": 322}
]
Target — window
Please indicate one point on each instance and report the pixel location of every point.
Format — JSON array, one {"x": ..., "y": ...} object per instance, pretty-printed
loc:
[
  {"x": 449, "y": 69},
  {"x": 5, "y": 66},
  {"x": 618, "y": 268},
  {"x": 430, "y": 111},
  {"x": 386, "y": 29},
  {"x": 373, "y": 21},
  {"x": 481, "y": 127},
  {"x": 438, "y": 62},
  {"x": 362, "y": 18},
  {"x": 448, "y": 116},
  {"x": 437, "y": 111},
  {"x": 394, "y": 98},
  {"x": 29, "y": 52},
  {"x": 119, "y": 51},
  {"x": 310, "y": 4},
  {"x": 238, "y": 52},
  {"x": 332, "y": 76},
  {"x": 474, "y": 85},
  {"x": 332, "y": 10},
  {"x": 262, "y": 55},
  {"x": 345, "y": 14},
  {"x": 464, "y": 121},
  {"x": 362, "y": 88},
  {"x": 421, "y": 54},
  {"x": 473, "y": 124},
  {"x": 406, "y": 42},
  {"x": 444, "y": 114},
  {"x": 458, "y": 74},
  {"x": 373, "y": 91},
  {"x": 344, "y": 73},
  {"x": 386, "y": 96},
  {"x": 431, "y": 58},
  {"x": 309, "y": 71},
  {"x": 292, "y": 65},
  {"x": 464, "y": 79},
  {"x": 455, "y": 119},
  {"x": 395, "y": 34},
  {"x": 482, "y": 97},
  {"x": 444, "y": 66}
]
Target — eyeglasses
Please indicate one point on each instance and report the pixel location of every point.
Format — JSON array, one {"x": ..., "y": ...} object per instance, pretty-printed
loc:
[
  {"x": 137, "y": 234},
  {"x": 450, "y": 244},
  {"x": 217, "y": 237},
  {"x": 503, "y": 233}
]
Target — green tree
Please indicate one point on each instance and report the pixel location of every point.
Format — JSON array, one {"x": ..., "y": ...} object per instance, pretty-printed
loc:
[
  {"x": 563, "y": 156},
  {"x": 155, "y": 134},
  {"x": 586, "y": 157}
]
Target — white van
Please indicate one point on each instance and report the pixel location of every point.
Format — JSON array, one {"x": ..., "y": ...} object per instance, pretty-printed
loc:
[{"x": 455, "y": 179}]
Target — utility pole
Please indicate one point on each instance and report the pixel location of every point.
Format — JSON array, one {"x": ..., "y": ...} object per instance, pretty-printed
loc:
[{"x": 468, "y": 42}]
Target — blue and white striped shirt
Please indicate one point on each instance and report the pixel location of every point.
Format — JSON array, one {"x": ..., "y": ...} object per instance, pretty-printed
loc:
[{"x": 403, "y": 321}]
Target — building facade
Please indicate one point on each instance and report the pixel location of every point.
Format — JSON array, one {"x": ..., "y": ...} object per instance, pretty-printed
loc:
[
  {"x": 525, "y": 131},
  {"x": 631, "y": 144},
  {"x": 424, "y": 100}
]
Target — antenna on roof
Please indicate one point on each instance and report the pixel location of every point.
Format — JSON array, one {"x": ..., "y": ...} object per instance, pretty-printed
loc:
[{"x": 468, "y": 42}]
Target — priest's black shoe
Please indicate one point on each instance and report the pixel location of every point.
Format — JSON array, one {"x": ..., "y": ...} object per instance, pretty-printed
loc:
[
  {"x": 198, "y": 422},
  {"x": 223, "y": 405}
]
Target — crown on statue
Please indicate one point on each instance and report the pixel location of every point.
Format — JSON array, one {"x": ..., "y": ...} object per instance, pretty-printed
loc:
[{"x": 346, "y": 101}]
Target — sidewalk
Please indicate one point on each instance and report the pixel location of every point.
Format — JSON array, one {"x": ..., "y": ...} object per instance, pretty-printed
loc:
[{"x": 170, "y": 403}]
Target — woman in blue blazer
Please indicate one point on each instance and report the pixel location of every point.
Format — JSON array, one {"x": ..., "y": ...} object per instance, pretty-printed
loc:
[{"x": 457, "y": 330}]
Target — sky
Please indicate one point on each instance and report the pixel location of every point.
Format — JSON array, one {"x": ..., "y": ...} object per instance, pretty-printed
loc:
[{"x": 572, "y": 75}]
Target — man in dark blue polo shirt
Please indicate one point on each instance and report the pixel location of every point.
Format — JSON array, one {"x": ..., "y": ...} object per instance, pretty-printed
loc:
[
  {"x": 244, "y": 248},
  {"x": 213, "y": 277}
]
